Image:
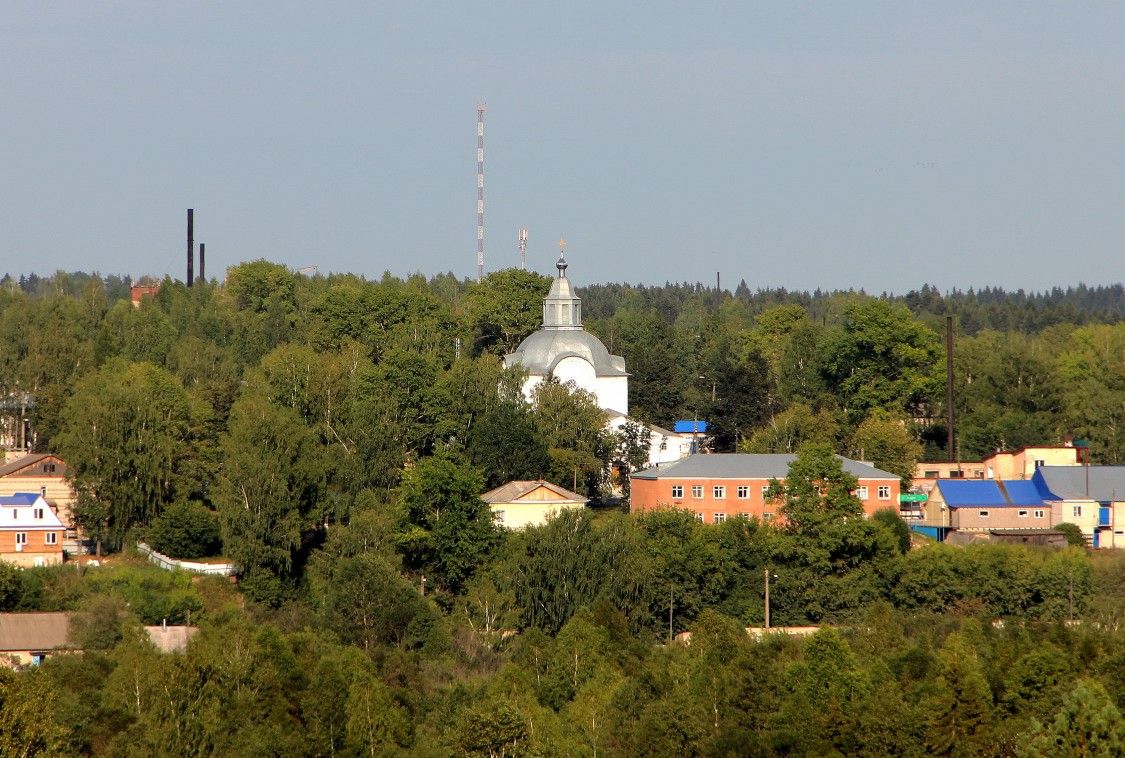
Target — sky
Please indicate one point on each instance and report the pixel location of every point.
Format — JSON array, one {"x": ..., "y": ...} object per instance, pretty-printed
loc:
[{"x": 866, "y": 145}]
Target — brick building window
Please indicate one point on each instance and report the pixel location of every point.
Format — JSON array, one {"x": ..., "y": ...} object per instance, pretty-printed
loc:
[
  {"x": 743, "y": 492},
  {"x": 52, "y": 538},
  {"x": 677, "y": 492},
  {"x": 21, "y": 538},
  {"x": 719, "y": 492},
  {"x": 861, "y": 493},
  {"x": 697, "y": 491},
  {"x": 884, "y": 492},
  {"x": 719, "y": 518}
]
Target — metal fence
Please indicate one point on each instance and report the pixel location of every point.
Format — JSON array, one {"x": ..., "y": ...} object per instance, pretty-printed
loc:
[{"x": 171, "y": 564}]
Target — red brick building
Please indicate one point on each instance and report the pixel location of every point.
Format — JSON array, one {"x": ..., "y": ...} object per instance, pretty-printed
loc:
[{"x": 722, "y": 486}]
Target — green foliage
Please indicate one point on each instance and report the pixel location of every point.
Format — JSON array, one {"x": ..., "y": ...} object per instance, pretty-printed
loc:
[
  {"x": 1073, "y": 534},
  {"x": 885, "y": 441},
  {"x": 268, "y": 494},
  {"x": 572, "y": 562},
  {"x": 447, "y": 531},
  {"x": 186, "y": 530},
  {"x": 890, "y": 519},
  {"x": 1088, "y": 724},
  {"x": 125, "y": 441}
]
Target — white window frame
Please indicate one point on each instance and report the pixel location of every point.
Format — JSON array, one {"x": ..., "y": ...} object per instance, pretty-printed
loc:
[
  {"x": 52, "y": 538},
  {"x": 1038, "y": 513},
  {"x": 37, "y": 513},
  {"x": 21, "y": 538},
  {"x": 697, "y": 492},
  {"x": 1022, "y": 514},
  {"x": 699, "y": 516},
  {"x": 884, "y": 492},
  {"x": 677, "y": 492},
  {"x": 767, "y": 516},
  {"x": 743, "y": 492},
  {"x": 1076, "y": 511},
  {"x": 719, "y": 492},
  {"x": 861, "y": 492},
  {"x": 718, "y": 518},
  {"x": 745, "y": 514},
  {"x": 982, "y": 514},
  {"x": 765, "y": 489},
  {"x": 498, "y": 517}
]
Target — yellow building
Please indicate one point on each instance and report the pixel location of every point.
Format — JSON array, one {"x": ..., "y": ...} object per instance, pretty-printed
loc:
[{"x": 521, "y": 504}]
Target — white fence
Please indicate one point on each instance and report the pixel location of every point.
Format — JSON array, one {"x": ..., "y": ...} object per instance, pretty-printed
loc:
[{"x": 164, "y": 562}]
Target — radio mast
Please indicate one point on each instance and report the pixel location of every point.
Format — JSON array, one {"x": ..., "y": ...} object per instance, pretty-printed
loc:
[
  {"x": 480, "y": 192},
  {"x": 523, "y": 249}
]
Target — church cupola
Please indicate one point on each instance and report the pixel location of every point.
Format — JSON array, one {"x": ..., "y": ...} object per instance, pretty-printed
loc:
[{"x": 562, "y": 309}]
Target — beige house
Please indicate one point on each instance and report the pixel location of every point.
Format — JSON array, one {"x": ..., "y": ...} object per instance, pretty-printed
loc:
[
  {"x": 1012, "y": 465},
  {"x": 45, "y": 474},
  {"x": 517, "y": 505},
  {"x": 27, "y": 638}
]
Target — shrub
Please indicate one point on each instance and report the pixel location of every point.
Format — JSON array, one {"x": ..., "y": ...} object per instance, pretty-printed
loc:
[{"x": 186, "y": 530}]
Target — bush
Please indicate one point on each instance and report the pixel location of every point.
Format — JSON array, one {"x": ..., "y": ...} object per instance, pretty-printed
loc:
[{"x": 186, "y": 530}]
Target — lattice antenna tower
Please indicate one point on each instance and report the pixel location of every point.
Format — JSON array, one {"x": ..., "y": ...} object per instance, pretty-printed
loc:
[
  {"x": 523, "y": 249},
  {"x": 480, "y": 192}
]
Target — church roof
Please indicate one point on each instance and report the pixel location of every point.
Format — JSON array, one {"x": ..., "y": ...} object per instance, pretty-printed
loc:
[
  {"x": 543, "y": 350},
  {"x": 562, "y": 336}
]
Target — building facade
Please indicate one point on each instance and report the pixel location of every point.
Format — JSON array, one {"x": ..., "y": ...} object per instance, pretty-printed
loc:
[
  {"x": 30, "y": 532},
  {"x": 520, "y": 504},
  {"x": 724, "y": 485}
]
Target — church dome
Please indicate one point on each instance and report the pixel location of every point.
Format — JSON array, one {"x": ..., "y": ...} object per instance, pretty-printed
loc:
[{"x": 544, "y": 349}]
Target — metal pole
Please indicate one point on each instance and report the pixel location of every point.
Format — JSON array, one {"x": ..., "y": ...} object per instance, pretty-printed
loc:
[
  {"x": 190, "y": 244},
  {"x": 202, "y": 252}
]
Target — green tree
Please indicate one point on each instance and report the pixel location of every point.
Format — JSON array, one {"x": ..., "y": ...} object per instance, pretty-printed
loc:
[
  {"x": 880, "y": 359},
  {"x": 1089, "y": 724},
  {"x": 960, "y": 712},
  {"x": 27, "y": 716},
  {"x": 787, "y": 431},
  {"x": 125, "y": 440},
  {"x": 505, "y": 308},
  {"x": 447, "y": 531},
  {"x": 269, "y": 492},
  {"x": 885, "y": 441},
  {"x": 186, "y": 530}
]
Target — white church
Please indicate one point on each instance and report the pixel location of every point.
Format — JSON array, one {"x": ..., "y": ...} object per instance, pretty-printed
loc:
[{"x": 579, "y": 360}]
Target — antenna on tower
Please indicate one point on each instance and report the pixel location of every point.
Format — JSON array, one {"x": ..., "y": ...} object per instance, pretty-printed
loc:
[
  {"x": 523, "y": 249},
  {"x": 480, "y": 192}
]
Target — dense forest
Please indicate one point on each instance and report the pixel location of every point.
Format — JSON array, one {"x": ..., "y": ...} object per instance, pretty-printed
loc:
[{"x": 332, "y": 435}]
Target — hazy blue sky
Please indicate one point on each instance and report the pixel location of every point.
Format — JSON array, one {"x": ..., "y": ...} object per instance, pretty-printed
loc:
[{"x": 832, "y": 144}]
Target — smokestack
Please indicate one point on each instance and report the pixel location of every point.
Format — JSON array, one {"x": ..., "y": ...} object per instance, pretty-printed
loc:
[
  {"x": 202, "y": 250},
  {"x": 190, "y": 244},
  {"x": 949, "y": 387}
]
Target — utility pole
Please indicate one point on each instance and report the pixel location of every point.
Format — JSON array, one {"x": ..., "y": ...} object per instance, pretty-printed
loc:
[{"x": 523, "y": 249}]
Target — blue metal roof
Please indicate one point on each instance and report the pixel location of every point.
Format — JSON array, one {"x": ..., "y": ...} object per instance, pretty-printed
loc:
[
  {"x": 19, "y": 498},
  {"x": 976, "y": 493},
  {"x": 1024, "y": 492},
  {"x": 970, "y": 493},
  {"x": 690, "y": 427}
]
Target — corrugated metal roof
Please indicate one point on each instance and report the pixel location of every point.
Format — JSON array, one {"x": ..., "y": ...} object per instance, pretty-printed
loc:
[
  {"x": 1024, "y": 492},
  {"x": 979, "y": 493},
  {"x": 747, "y": 466},
  {"x": 968, "y": 493},
  {"x": 34, "y": 631},
  {"x": 1106, "y": 483}
]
